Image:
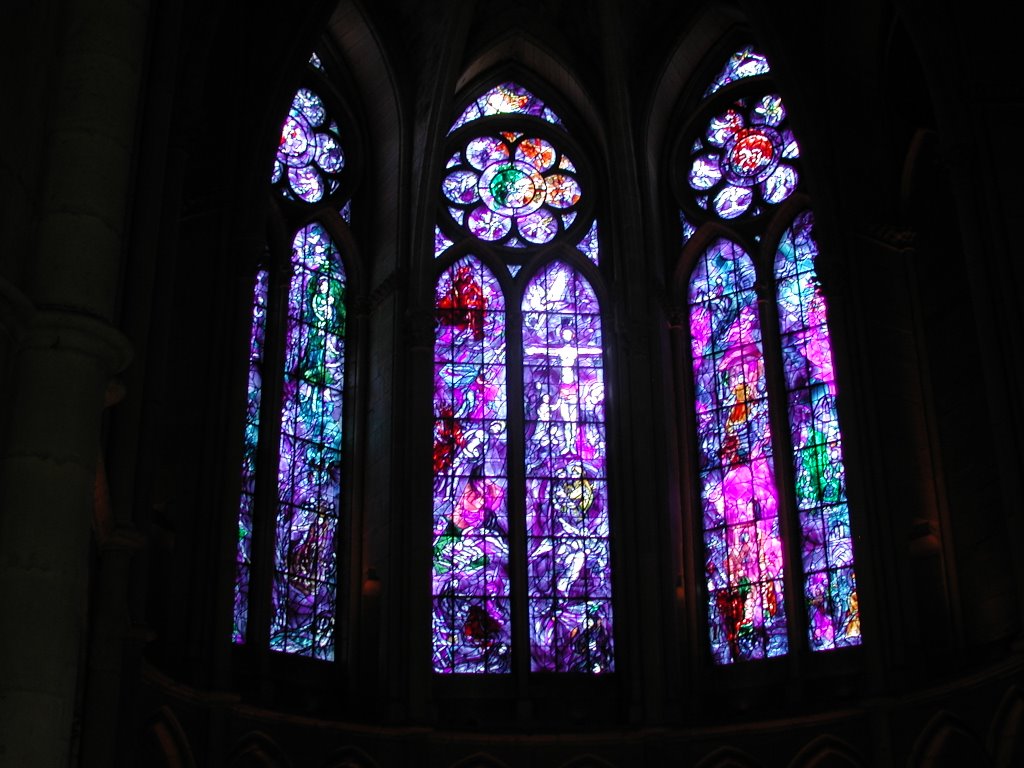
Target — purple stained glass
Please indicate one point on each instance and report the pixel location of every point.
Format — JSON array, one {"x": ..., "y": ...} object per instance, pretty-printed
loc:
[
  {"x": 687, "y": 230},
  {"x": 250, "y": 444},
  {"x": 745, "y": 158},
  {"x": 567, "y": 544},
  {"x": 743, "y": 544},
  {"x": 472, "y": 626},
  {"x": 304, "y": 587},
  {"x": 506, "y": 99},
  {"x": 512, "y": 189},
  {"x": 744, "y": 63},
  {"x": 589, "y": 246},
  {"x": 309, "y": 155},
  {"x": 830, "y": 589},
  {"x": 441, "y": 242}
]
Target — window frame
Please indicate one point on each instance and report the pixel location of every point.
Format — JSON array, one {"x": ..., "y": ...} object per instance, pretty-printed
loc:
[{"x": 524, "y": 689}]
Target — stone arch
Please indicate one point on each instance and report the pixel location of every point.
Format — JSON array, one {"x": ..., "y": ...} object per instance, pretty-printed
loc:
[
  {"x": 728, "y": 757},
  {"x": 587, "y": 761},
  {"x": 349, "y": 757},
  {"x": 479, "y": 760},
  {"x": 946, "y": 742},
  {"x": 826, "y": 751},
  {"x": 165, "y": 744},
  {"x": 1006, "y": 734},
  {"x": 257, "y": 750}
]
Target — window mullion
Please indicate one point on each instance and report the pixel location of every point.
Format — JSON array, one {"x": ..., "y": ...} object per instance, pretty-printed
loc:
[
  {"x": 782, "y": 449},
  {"x": 516, "y": 493},
  {"x": 265, "y": 513}
]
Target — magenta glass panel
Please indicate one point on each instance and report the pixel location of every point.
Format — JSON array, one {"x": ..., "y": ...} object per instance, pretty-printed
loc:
[
  {"x": 743, "y": 544},
  {"x": 304, "y": 586},
  {"x": 830, "y": 587},
  {"x": 506, "y": 99},
  {"x": 250, "y": 444},
  {"x": 309, "y": 155},
  {"x": 567, "y": 537},
  {"x": 471, "y": 609}
]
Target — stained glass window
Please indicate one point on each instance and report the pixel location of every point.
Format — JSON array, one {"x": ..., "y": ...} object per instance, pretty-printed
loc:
[
  {"x": 309, "y": 473},
  {"x": 511, "y": 190},
  {"x": 471, "y": 573},
  {"x": 291, "y": 498},
  {"x": 257, "y": 339},
  {"x": 740, "y": 499},
  {"x": 737, "y": 160},
  {"x": 309, "y": 157},
  {"x": 830, "y": 588},
  {"x": 567, "y": 544}
]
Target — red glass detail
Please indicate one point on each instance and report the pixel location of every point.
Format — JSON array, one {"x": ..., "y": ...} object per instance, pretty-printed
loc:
[
  {"x": 752, "y": 151},
  {"x": 480, "y": 628},
  {"x": 464, "y": 304},
  {"x": 449, "y": 437}
]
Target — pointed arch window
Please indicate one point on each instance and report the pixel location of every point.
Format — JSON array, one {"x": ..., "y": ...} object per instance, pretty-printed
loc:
[
  {"x": 286, "y": 584},
  {"x": 770, "y": 467},
  {"x": 521, "y": 553}
]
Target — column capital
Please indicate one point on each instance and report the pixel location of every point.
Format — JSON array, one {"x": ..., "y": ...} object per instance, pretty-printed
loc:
[{"x": 70, "y": 330}]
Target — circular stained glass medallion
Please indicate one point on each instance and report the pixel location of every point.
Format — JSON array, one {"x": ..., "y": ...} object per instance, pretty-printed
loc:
[
  {"x": 514, "y": 189},
  {"x": 751, "y": 155}
]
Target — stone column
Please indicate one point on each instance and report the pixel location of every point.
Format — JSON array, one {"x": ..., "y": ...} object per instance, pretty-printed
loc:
[{"x": 58, "y": 373}]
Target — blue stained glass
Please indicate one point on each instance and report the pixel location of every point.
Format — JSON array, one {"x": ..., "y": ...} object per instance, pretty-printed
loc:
[
  {"x": 517, "y": 190},
  {"x": 309, "y": 155},
  {"x": 742, "y": 538},
  {"x": 829, "y": 580},
  {"x": 471, "y": 617},
  {"x": 304, "y": 588},
  {"x": 250, "y": 445},
  {"x": 568, "y": 549}
]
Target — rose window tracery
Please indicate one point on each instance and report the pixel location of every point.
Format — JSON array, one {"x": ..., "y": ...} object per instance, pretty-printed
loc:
[{"x": 511, "y": 188}]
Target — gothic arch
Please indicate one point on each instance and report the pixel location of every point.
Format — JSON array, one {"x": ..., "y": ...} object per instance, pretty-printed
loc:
[
  {"x": 167, "y": 741},
  {"x": 587, "y": 761},
  {"x": 826, "y": 751},
  {"x": 728, "y": 757},
  {"x": 1006, "y": 734},
  {"x": 257, "y": 750},
  {"x": 479, "y": 760},
  {"x": 521, "y": 54},
  {"x": 349, "y": 757},
  {"x": 385, "y": 119},
  {"x": 946, "y": 742}
]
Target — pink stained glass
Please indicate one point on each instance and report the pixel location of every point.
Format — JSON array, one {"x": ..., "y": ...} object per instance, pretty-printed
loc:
[
  {"x": 743, "y": 544},
  {"x": 250, "y": 445},
  {"x": 471, "y": 605},
  {"x": 830, "y": 587},
  {"x": 567, "y": 527},
  {"x": 304, "y": 588}
]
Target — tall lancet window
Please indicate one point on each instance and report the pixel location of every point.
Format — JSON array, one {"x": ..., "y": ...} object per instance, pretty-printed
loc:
[
  {"x": 286, "y": 584},
  {"x": 521, "y": 552},
  {"x": 770, "y": 470}
]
